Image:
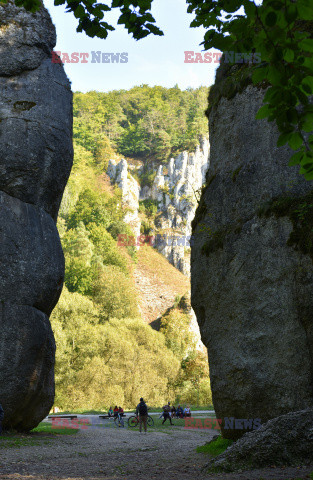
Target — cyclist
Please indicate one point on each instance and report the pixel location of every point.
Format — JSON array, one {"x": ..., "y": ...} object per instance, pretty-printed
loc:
[{"x": 142, "y": 411}]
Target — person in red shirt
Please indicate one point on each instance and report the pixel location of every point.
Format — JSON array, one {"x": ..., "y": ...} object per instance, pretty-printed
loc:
[{"x": 115, "y": 411}]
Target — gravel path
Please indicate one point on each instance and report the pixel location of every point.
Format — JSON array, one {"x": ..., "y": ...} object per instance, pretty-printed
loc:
[{"x": 120, "y": 454}]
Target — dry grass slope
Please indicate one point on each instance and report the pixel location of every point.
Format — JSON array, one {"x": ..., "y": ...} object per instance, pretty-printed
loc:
[{"x": 157, "y": 282}]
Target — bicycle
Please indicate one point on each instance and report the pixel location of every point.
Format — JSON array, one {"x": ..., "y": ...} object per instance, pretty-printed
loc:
[
  {"x": 119, "y": 421},
  {"x": 134, "y": 420}
]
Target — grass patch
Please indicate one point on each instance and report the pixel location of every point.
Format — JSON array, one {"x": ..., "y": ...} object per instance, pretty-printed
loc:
[
  {"x": 45, "y": 427},
  {"x": 37, "y": 437},
  {"x": 216, "y": 447},
  {"x": 17, "y": 441},
  {"x": 155, "y": 265}
]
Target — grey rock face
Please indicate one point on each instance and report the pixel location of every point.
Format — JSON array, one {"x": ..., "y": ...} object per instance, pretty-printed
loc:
[
  {"x": 35, "y": 161},
  {"x": 35, "y": 111},
  {"x": 284, "y": 441},
  {"x": 27, "y": 350},
  {"x": 119, "y": 175},
  {"x": 31, "y": 257},
  {"x": 252, "y": 293},
  {"x": 176, "y": 192},
  {"x": 26, "y": 39}
]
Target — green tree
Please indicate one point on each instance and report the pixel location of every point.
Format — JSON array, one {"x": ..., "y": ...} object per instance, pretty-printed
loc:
[
  {"x": 78, "y": 252},
  {"x": 106, "y": 247},
  {"x": 115, "y": 294},
  {"x": 95, "y": 207},
  {"x": 175, "y": 326},
  {"x": 115, "y": 363}
]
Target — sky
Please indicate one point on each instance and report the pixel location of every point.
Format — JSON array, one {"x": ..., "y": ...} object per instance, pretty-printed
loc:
[{"x": 153, "y": 60}]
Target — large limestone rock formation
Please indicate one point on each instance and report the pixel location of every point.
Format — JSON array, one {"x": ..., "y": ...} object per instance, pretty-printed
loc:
[
  {"x": 35, "y": 162},
  {"x": 120, "y": 176},
  {"x": 251, "y": 268},
  {"x": 177, "y": 189}
]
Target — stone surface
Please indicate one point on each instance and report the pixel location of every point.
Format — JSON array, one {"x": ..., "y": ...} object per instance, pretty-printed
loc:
[
  {"x": 177, "y": 189},
  {"x": 35, "y": 161},
  {"x": 283, "y": 441},
  {"x": 35, "y": 111},
  {"x": 252, "y": 293},
  {"x": 31, "y": 257},
  {"x": 26, "y": 39},
  {"x": 120, "y": 176},
  {"x": 27, "y": 351}
]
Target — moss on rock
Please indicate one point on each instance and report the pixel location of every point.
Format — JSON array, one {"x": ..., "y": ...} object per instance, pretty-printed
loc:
[{"x": 300, "y": 212}]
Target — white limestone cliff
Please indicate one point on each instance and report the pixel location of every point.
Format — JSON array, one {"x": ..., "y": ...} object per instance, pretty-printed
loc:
[
  {"x": 119, "y": 175},
  {"x": 177, "y": 189}
]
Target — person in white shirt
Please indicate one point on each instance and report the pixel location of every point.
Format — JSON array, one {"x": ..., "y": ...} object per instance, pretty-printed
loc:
[{"x": 187, "y": 412}]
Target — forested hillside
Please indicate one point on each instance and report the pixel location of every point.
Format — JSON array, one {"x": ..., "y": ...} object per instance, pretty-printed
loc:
[
  {"x": 149, "y": 123},
  {"x": 103, "y": 344}
]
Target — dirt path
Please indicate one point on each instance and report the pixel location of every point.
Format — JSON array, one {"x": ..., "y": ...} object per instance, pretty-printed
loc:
[{"x": 120, "y": 454}]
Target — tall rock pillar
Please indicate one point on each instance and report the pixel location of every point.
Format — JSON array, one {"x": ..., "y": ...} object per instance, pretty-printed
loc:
[
  {"x": 35, "y": 162},
  {"x": 251, "y": 265}
]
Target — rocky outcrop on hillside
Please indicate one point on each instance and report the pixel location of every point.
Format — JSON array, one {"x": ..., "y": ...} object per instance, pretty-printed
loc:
[
  {"x": 177, "y": 189},
  {"x": 120, "y": 176},
  {"x": 251, "y": 268},
  {"x": 36, "y": 158}
]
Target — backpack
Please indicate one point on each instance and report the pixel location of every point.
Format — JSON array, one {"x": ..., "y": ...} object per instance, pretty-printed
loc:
[{"x": 143, "y": 409}]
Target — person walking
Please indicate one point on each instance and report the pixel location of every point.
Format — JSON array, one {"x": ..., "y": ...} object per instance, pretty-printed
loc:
[
  {"x": 167, "y": 413},
  {"x": 142, "y": 411},
  {"x": 1, "y": 418}
]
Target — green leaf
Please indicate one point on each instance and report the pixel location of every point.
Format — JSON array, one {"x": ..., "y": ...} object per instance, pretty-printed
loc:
[
  {"x": 308, "y": 81},
  {"x": 263, "y": 112},
  {"x": 274, "y": 75},
  {"x": 271, "y": 19},
  {"x": 79, "y": 12},
  {"x": 291, "y": 12},
  {"x": 308, "y": 176},
  {"x": 292, "y": 116},
  {"x": 259, "y": 74},
  {"x": 289, "y": 55},
  {"x": 295, "y": 141},
  {"x": 276, "y": 4},
  {"x": 283, "y": 139},
  {"x": 305, "y": 11},
  {"x": 306, "y": 44},
  {"x": 295, "y": 159},
  {"x": 307, "y": 122}
]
